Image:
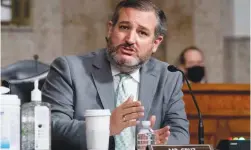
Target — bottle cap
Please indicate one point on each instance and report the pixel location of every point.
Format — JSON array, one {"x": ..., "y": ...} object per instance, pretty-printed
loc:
[{"x": 146, "y": 123}]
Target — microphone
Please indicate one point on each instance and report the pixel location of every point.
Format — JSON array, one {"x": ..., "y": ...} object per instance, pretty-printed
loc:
[
  {"x": 172, "y": 68},
  {"x": 36, "y": 63}
]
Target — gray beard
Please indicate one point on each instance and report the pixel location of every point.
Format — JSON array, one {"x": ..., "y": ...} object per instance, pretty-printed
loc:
[{"x": 110, "y": 54}]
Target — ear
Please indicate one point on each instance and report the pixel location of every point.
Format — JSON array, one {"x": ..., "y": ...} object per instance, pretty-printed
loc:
[
  {"x": 157, "y": 42},
  {"x": 109, "y": 26}
]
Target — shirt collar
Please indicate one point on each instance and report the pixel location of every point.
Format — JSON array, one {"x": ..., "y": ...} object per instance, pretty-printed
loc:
[{"x": 135, "y": 75}]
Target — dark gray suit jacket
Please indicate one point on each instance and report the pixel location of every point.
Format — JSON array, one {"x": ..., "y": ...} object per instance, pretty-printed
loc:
[{"x": 77, "y": 83}]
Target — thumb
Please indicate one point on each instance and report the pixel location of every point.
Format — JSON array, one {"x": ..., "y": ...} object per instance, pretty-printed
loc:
[
  {"x": 130, "y": 99},
  {"x": 152, "y": 120}
]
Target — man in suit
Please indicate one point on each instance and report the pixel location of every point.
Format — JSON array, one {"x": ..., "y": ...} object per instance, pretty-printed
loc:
[{"x": 92, "y": 81}]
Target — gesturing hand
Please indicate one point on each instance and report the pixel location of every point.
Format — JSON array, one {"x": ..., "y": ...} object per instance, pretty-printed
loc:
[
  {"x": 162, "y": 134},
  {"x": 125, "y": 115}
]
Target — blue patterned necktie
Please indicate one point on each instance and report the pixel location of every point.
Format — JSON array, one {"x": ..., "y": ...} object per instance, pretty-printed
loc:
[{"x": 124, "y": 140}]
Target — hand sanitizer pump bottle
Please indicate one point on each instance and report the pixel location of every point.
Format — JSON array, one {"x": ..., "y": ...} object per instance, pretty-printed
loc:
[{"x": 36, "y": 123}]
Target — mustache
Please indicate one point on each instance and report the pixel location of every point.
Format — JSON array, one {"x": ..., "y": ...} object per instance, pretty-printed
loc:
[{"x": 125, "y": 45}]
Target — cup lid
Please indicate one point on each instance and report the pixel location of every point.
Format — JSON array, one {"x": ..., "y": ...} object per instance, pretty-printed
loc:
[
  {"x": 9, "y": 99},
  {"x": 97, "y": 112},
  {"x": 4, "y": 90}
]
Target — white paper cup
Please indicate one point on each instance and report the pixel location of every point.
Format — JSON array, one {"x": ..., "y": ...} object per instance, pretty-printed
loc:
[{"x": 97, "y": 128}]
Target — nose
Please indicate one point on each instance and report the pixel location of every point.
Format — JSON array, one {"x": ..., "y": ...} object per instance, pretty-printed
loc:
[{"x": 131, "y": 38}]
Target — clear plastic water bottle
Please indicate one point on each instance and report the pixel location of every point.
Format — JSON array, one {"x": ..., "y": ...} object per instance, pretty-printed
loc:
[
  {"x": 36, "y": 118},
  {"x": 145, "y": 136}
]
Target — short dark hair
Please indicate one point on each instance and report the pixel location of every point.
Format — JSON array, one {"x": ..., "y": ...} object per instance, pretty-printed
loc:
[
  {"x": 143, "y": 5},
  {"x": 182, "y": 60}
]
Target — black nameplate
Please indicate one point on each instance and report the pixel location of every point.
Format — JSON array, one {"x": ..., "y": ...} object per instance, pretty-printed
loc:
[{"x": 180, "y": 147}]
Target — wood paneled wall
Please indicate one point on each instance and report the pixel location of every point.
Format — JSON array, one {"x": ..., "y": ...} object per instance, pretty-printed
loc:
[{"x": 225, "y": 109}]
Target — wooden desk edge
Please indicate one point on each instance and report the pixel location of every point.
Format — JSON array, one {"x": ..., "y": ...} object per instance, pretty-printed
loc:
[{"x": 218, "y": 87}]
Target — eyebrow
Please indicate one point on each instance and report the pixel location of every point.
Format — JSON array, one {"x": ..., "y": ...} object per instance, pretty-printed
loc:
[
  {"x": 124, "y": 22},
  {"x": 142, "y": 27}
]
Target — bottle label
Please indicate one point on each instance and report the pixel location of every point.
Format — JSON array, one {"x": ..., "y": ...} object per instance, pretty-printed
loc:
[
  {"x": 42, "y": 128},
  {"x": 9, "y": 128}
]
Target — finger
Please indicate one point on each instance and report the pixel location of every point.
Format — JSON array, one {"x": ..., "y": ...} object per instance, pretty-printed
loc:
[
  {"x": 164, "y": 137},
  {"x": 130, "y": 103},
  {"x": 164, "y": 141},
  {"x": 129, "y": 99},
  {"x": 162, "y": 133},
  {"x": 130, "y": 123},
  {"x": 163, "y": 130},
  {"x": 161, "y": 141},
  {"x": 133, "y": 116},
  {"x": 152, "y": 120},
  {"x": 133, "y": 110},
  {"x": 157, "y": 142},
  {"x": 167, "y": 133}
]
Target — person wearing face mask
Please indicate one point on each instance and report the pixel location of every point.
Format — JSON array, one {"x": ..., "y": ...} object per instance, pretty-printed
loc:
[{"x": 191, "y": 62}]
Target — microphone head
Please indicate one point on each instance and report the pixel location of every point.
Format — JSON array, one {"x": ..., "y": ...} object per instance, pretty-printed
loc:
[
  {"x": 172, "y": 68},
  {"x": 35, "y": 57}
]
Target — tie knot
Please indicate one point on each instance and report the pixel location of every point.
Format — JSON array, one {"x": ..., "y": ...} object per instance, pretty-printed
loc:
[{"x": 123, "y": 76}]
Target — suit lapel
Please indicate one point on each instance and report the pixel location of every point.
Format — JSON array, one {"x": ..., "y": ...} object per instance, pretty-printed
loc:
[
  {"x": 103, "y": 80},
  {"x": 148, "y": 85}
]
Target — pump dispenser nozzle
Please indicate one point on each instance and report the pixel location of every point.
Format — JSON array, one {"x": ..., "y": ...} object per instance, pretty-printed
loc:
[{"x": 36, "y": 94}]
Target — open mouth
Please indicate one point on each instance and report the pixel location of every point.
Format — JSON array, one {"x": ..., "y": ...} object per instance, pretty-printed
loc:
[{"x": 127, "y": 51}]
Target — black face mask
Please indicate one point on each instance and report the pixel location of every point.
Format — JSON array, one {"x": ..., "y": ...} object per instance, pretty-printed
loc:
[{"x": 195, "y": 73}]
